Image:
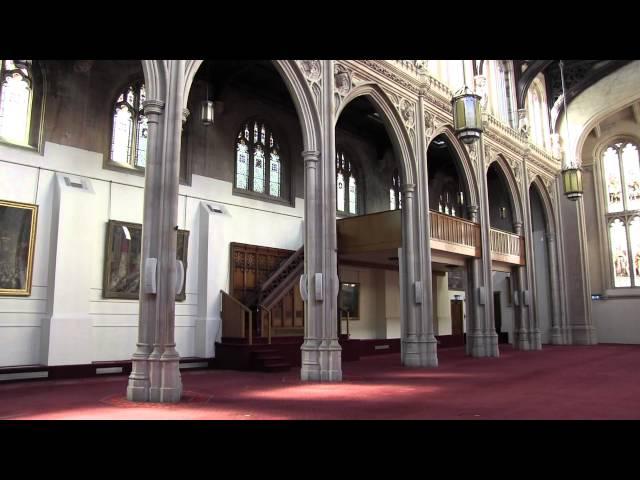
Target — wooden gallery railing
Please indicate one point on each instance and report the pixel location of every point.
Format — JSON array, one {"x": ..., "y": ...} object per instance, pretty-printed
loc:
[
  {"x": 507, "y": 247},
  {"x": 237, "y": 319},
  {"x": 455, "y": 235}
]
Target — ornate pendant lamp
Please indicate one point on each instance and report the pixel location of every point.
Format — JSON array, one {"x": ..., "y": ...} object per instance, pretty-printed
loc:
[
  {"x": 206, "y": 108},
  {"x": 571, "y": 173},
  {"x": 467, "y": 119}
]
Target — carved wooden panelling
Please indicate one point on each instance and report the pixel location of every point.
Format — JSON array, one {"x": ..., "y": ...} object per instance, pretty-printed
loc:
[{"x": 251, "y": 265}]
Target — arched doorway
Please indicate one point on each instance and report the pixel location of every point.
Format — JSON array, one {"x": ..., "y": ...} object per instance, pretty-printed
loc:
[
  {"x": 389, "y": 235},
  {"x": 454, "y": 239}
]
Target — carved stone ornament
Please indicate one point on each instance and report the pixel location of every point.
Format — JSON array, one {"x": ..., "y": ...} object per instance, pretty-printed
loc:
[
  {"x": 342, "y": 79},
  {"x": 422, "y": 67},
  {"x": 556, "y": 146},
  {"x": 312, "y": 69},
  {"x": 431, "y": 124},
  {"x": 550, "y": 184},
  {"x": 407, "y": 112},
  {"x": 523, "y": 122},
  {"x": 480, "y": 87}
]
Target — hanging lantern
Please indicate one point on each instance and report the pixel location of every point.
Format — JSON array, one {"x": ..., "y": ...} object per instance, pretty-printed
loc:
[
  {"x": 206, "y": 112},
  {"x": 467, "y": 119},
  {"x": 572, "y": 183},
  {"x": 571, "y": 173}
]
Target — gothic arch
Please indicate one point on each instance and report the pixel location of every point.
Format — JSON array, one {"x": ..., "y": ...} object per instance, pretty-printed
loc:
[
  {"x": 155, "y": 78},
  {"x": 464, "y": 161},
  {"x": 301, "y": 96},
  {"x": 538, "y": 184},
  {"x": 395, "y": 129},
  {"x": 512, "y": 185}
]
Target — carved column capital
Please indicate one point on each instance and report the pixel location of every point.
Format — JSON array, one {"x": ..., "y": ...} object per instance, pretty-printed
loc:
[
  {"x": 185, "y": 115},
  {"x": 408, "y": 188},
  {"x": 311, "y": 158},
  {"x": 153, "y": 109},
  {"x": 518, "y": 228}
]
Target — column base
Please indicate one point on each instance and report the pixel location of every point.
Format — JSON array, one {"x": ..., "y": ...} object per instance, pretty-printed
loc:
[
  {"x": 138, "y": 386},
  {"x": 535, "y": 340},
  {"x": 321, "y": 361},
  {"x": 583, "y": 335},
  {"x": 556, "y": 336},
  {"x": 483, "y": 345},
  {"x": 420, "y": 353},
  {"x": 521, "y": 342}
]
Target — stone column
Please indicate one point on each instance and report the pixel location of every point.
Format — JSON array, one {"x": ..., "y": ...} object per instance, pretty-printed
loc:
[
  {"x": 321, "y": 352},
  {"x": 522, "y": 340},
  {"x": 535, "y": 336},
  {"x": 486, "y": 320},
  {"x": 159, "y": 380},
  {"x": 475, "y": 345},
  {"x": 416, "y": 229},
  {"x": 556, "y": 330},
  {"x": 418, "y": 342}
]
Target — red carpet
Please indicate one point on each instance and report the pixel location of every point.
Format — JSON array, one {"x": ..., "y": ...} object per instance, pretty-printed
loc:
[{"x": 599, "y": 382}]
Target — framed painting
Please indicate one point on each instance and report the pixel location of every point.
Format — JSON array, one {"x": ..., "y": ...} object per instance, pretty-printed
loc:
[
  {"x": 349, "y": 300},
  {"x": 17, "y": 246},
  {"x": 122, "y": 260}
]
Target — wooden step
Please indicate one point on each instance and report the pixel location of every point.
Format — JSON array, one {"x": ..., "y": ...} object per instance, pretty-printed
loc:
[{"x": 275, "y": 366}]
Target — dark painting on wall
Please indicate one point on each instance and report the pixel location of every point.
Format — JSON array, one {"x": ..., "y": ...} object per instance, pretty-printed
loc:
[
  {"x": 17, "y": 243},
  {"x": 122, "y": 260},
  {"x": 349, "y": 300},
  {"x": 456, "y": 279}
]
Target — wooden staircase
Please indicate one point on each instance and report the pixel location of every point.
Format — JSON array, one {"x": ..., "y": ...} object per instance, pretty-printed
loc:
[{"x": 269, "y": 360}]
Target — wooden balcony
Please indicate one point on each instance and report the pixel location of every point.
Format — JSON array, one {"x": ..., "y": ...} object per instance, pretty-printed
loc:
[
  {"x": 451, "y": 237},
  {"x": 507, "y": 247},
  {"x": 455, "y": 235}
]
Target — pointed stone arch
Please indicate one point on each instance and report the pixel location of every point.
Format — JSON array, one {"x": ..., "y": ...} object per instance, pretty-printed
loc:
[
  {"x": 548, "y": 212},
  {"x": 301, "y": 95},
  {"x": 398, "y": 134},
  {"x": 512, "y": 184},
  {"x": 465, "y": 162}
]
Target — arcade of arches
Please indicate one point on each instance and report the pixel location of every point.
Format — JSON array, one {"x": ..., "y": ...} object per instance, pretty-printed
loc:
[{"x": 324, "y": 212}]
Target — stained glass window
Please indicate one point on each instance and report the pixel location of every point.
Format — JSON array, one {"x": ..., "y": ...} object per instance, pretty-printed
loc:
[
  {"x": 258, "y": 162},
  {"x": 346, "y": 185},
  {"x": 619, "y": 253},
  {"x": 130, "y": 128},
  {"x": 621, "y": 175},
  {"x": 16, "y": 94}
]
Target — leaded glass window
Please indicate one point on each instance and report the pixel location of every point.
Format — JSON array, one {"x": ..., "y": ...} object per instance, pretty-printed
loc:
[
  {"x": 130, "y": 128},
  {"x": 504, "y": 91},
  {"x": 16, "y": 93},
  {"x": 621, "y": 176},
  {"x": 258, "y": 160},
  {"x": 395, "y": 195},
  {"x": 347, "y": 183}
]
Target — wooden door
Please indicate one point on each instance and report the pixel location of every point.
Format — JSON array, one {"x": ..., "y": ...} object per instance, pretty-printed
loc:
[
  {"x": 497, "y": 311},
  {"x": 456, "y": 317}
]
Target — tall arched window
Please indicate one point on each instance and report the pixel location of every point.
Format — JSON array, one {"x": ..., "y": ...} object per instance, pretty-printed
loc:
[
  {"x": 130, "y": 131},
  {"x": 347, "y": 185},
  {"x": 503, "y": 91},
  {"x": 395, "y": 195},
  {"x": 538, "y": 115},
  {"x": 258, "y": 162},
  {"x": 455, "y": 74},
  {"x": 16, "y": 94},
  {"x": 621, "y": 175}
]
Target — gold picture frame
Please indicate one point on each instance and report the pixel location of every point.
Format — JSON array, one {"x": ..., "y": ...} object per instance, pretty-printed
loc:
[
  {"x": 123, "y": 248},
  {"x": 18, "y": 222}
]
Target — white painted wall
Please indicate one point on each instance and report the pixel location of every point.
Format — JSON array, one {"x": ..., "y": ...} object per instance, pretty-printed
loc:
[
  {"x": 379, "y": 303},
  {"x": 617, "y": 320},
  {"x": 443, "y": 305},
  {"x": 27, "y": 176}
]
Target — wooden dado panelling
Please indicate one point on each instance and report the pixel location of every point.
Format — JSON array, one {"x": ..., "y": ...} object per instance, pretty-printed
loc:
[{"x": 251, "y": 265}]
